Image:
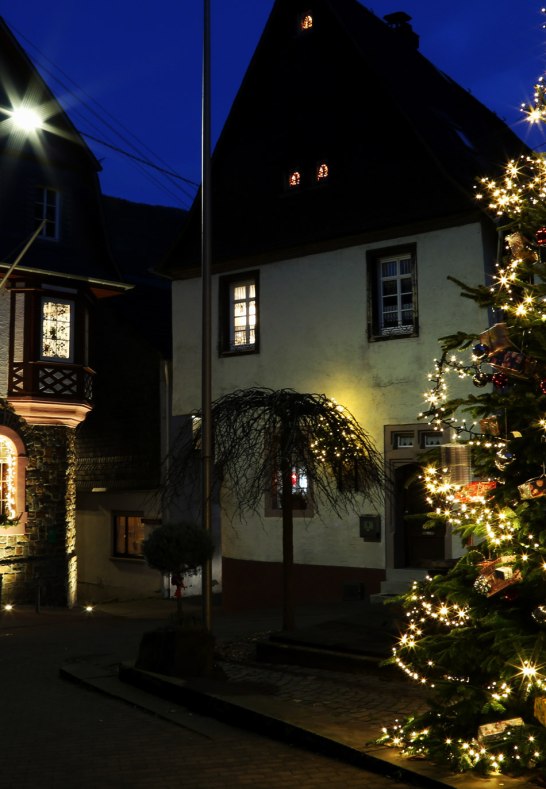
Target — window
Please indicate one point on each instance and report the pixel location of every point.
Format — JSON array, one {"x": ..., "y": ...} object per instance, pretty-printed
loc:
[
  {"x": 239, "y": 314},
  {"x": 294, "y": 179},
  {"x": 306, "y": 22},
  {"x": 392, "y": 286},
  {"x": 403, "y": 440},
  {"x": 47, "y": 207},
  {"x": 128, "y": 535},
  {"x": 301, "y": 494},
  {"x": 322, "y": 172},
  {"x": 13, "y": 462},
  {"x": 8, "y": 469},
  {"x": 57, "y": 328}
]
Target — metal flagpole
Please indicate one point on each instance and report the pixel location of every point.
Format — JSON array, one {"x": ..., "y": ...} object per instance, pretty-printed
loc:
[{"x": 206, "y": 388}]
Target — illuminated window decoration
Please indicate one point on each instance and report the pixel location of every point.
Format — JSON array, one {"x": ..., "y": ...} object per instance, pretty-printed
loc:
[
  {"x": 300, "y": 489},
  {"x": 46, "y": 208},
  {"x": 294, "y": 179},
  {"x": 8, "y": 467},
  {"x": 57, "y": 329},
  {"x": 129, "y": 534},
  {"x": 243, "y": 315},
  {"x": 322, "y": 171},
  {"x": 306, "y": 22}
]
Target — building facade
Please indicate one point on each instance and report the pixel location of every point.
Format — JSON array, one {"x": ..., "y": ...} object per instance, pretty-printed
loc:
[
  {"x": 342, "y": 200},
  {"x": 55, "y": 267}
]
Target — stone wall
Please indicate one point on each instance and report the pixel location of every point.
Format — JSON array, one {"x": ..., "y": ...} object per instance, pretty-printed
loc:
[{"x": 40, "y": 565}]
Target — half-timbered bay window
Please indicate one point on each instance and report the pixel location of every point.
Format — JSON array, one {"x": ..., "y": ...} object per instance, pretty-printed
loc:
[
  {"x": 239, "y": 313},
  {"x": 392, "y": 289},
  {"x": 50, "y": 381}
]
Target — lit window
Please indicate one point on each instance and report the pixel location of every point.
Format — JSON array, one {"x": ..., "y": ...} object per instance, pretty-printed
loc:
[
  {"x": 8, "y": 469},
  {"x": 46, "y": 208},
  {"x": 403, "y": 440},
  {"x": 57, "y": 329},
  {"x": 294, "y": 179},
  {"x": 129, "y": 535},
  {"x": 243, "y": 310},
  {"x": 239, "y": 314},
  {"x": 393, "y": 294},
  {"x": 432, "y": 439},
  {"x": 300, "y": 490},
  {"x": 322, "y": 172},
  {"x": 13, "y": 462},
  {"x": 306, "y": 22}
]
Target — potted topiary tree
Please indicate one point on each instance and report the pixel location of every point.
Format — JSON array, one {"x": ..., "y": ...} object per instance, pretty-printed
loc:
[{"x": 185, "y": 647}]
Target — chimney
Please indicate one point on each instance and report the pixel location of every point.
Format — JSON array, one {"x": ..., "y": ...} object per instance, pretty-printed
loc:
[{"x": 399, "y": 21}]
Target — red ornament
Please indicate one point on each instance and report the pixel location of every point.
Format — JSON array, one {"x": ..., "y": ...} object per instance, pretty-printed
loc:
[
  {"x": 499, "y": 380},
  {"x": 540, "y": 236}
]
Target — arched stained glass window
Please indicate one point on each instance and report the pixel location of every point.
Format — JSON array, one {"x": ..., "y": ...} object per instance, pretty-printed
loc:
[{"x": 8, "y": 478}]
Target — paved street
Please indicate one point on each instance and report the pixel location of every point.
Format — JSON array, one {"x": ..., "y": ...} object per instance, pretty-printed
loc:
[{"x": 56, "y": 735}]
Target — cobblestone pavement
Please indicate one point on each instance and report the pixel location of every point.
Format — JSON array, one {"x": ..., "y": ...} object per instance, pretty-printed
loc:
[
  {"x": 370, "y": 699},
  {"x": 56, "y": 735}
]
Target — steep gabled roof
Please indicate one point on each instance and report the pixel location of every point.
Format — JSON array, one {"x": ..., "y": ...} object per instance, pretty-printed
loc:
[
  {"x": 56, "y": 157},
  {"x": 403, "y": 142}
]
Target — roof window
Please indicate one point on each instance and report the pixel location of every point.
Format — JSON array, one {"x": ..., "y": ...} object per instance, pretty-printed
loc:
[
  {"x": 306, "y": 21},
  {"x": 322, "y": 172},
  {"x": 294, "y": 179}
]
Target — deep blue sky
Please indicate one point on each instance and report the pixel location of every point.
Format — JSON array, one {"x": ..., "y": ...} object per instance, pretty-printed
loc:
[{"x": 134, "y": 69}]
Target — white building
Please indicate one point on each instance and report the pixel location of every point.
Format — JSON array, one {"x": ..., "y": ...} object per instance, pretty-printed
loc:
[{"x": 342, "y": 200}]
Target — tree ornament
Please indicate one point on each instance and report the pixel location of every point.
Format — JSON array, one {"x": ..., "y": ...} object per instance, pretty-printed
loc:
[
  {"x": 540, "y": 236},
  {"x": 481, "y": 379},
  {"x": 542, "y": 385},
  {"x": 533, "y": 489},
  {"x": 490, "y": 425},
  {"x": 499, "y": 380},
  {"x": 480, "y": 350},
  {"x": 482, "y": 585},
  {"x": 496, "y": 337},
  {"x": 518, "y": 248},
  {"x": 504, "y": 458}
]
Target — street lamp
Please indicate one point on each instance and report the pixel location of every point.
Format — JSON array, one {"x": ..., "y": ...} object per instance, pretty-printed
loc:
[{"x": 206, "y": 387}]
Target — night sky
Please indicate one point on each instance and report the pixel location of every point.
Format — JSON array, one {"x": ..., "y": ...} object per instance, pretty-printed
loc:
[{"x": 129, "y": 73}]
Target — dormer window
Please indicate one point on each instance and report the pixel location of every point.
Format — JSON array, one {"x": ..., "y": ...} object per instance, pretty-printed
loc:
[
  {"x": 47, "y": 209},
  {"x": 294, "y": 179},
  {"x": 322, "y": 172},
  {"x": 306, "y": 22}
]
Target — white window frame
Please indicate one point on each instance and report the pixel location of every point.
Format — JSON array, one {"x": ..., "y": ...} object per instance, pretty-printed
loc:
[
  {"x": 242, "y": 309},
  {"x": 399, "y": 278},
  {"x": 392, "y": 295}
]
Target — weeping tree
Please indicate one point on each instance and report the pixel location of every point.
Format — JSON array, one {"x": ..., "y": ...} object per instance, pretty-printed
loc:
[{"x": 261, "y": 436}]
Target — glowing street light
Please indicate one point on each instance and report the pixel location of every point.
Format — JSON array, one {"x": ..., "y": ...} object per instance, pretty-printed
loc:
[{"x": 26, "y": 119}]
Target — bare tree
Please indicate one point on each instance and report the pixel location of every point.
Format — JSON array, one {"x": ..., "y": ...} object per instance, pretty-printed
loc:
[{"x": 261, "y": 436}]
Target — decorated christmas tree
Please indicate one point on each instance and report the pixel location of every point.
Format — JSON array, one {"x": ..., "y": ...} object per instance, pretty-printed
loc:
[{"x": 475, "y": 638}]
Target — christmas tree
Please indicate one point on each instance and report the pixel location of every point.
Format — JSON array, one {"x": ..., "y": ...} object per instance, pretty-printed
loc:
[{"x": 475, "y": 638}]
